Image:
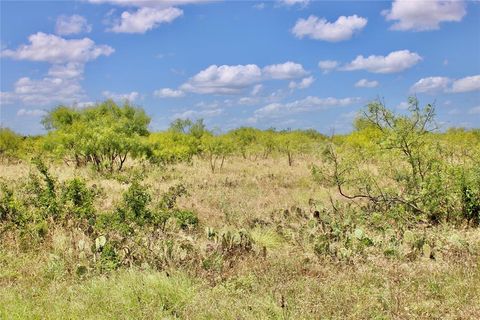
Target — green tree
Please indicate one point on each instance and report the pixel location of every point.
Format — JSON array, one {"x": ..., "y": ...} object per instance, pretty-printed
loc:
[
  {"x": 10, "y": 144},
  {"x": 217, "y": 148},
  {"x": 104, "y": 134},
  {"x": 245, "y": 139},
  {"x": 292, "y": 143}
]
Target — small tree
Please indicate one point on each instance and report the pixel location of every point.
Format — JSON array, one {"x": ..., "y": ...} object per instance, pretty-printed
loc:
[
  {"x": 292, "y": 143},
  {"x": 245, "y": 138},
  {"x": 410, "y": 172},
  {"x": 10, "y": 144},
  {"x": 104, "y": 135},
  {"x": 217, "y": 148}
]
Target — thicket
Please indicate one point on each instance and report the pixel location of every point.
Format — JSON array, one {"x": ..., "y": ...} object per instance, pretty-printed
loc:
[{"x": 396, "y": 165}]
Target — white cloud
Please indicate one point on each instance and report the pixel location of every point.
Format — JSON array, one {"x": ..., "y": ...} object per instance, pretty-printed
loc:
[
  {"x": 223, "y": 79},
  {"x": 431, "y": 84},
  {"x": 466, "y": 84},
  {"x": 424, "y": 15},
  {"x": 402, "y": 105},
  {"x": 67, "y": 25},
  {"x": 442, "y": 84},
  {"x": 364, "y": 83},
  {"x": 132, "y": 96},
  {"x": 71, "y": 70},
  {"x": 45, "y": 91},
  {"x": 474, "y": 110},
  {"x": 6, "y": 97},
  {"x": 395, "y": 61},
  {"x": 145, "y": 19},
  {"x": 287, "y": 70},
  {"x": 290, "y": 3},
  {"x": 259, "y": 6},
  {"x": 196, "y": 114},
  {"x": 327, "y": 65},
  {"x": 310, "y": 103},
  {"x": 248, "y": 100},
  {"x": 227, "y": 79},
  {"x": 256, "y": 89},
  {"x": 54, "y": 49},
  {"x": 169, "y": 93},
  {"x": 149, "y": 3},
  {"x": 321, "y": 29},
  {"x": 84, "y": 104},
  {"x": 31, "y": 113},
  {"x": 303, "y": 84}
]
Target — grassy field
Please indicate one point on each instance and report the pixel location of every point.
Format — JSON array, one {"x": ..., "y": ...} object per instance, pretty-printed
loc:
[{"x": 278, "y": 269}]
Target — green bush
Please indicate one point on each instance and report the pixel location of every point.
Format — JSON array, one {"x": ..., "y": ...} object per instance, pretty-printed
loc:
[
  {"x": 10, "y": 208},
  {"x": 186, "y": 218},
  {"x": 134, "y": 207},
  {"x": 78, "y": 199}
]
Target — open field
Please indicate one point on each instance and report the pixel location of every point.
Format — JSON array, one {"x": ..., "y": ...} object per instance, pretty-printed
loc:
[
  {"x": 102, "y": 219},
  {"x": 209, "y": 159},
  {"x": 280, "y": 276}
]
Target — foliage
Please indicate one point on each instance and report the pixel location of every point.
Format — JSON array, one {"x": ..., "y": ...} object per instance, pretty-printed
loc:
[
  {"x": 292, "y": 143},
  {"x": 10, "y": 144},
  {"x": 411, "y": 174},
  {"x": 216, "y": 148},
  {"x": 172, "y": 147},
  {"x": 104, "y": 135}
]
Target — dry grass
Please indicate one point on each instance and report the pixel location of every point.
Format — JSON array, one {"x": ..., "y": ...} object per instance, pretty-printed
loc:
[{"x": 290, "y": 282}]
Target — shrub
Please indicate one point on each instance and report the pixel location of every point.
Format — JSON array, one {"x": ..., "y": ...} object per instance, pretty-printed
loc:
[
  {"x": 79, "y": 199},
  {"x": 186, "y": 218},
  {"x": 135, "y": 205},
  {"x": 10, "y": 207}
]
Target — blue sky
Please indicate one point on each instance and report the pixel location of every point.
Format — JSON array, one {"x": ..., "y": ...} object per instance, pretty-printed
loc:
[{"x": 282, "y": 64}]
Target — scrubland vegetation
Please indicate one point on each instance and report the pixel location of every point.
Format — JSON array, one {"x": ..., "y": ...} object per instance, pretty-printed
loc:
[{"x": 102, "y": 219}]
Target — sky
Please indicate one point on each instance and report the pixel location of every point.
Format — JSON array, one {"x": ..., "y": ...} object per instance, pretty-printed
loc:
[{"x": 289, "y": 64}]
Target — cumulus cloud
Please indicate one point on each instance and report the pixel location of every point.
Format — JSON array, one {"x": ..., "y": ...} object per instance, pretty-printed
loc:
[
  {"x": 395, "y": 61},
  {"x": 466, "y": 84},
  {"x": 223, "y": 79},
  {"x": 424, "y": 15},
  {"x": 320, "y": 29},
  {"x": 6, "y": 97},
  {"x": 327, "y": 65},
  {"x": 145, "y": 19},
  {"x": 430, "y": 84},
  {"x": 131, "y": 96},
  {"x": 67, "y": 25},
  {"x": 447, "y": 85},
  {"x": 303, "y": 84},
  {"x": 149, "y": 3},
  {"x": 227, "y": 79},
  {"x": 31, "y": 113},
  {"x": 62, "y": 82},
  {"x": 44, "y": 91},
  {"x": 364, "y": 83},
  {"x": 54, "y": 49},
  {"x": 169, "y": 93},
  {"x": 149, "y": 14},
  {"x": 259, "y": 6},
  {"x": 196, "y": 114},
  {"x": 256, "y": 89},
  {"x": 310, "y": 103},
  {"x": 287, "y": 70},
  {"x": 71, "y": 70},
  {"x": 290, "y": 3}
]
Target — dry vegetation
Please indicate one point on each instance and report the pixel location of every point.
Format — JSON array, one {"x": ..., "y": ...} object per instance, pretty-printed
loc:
[{"x": 255, "y": 239}]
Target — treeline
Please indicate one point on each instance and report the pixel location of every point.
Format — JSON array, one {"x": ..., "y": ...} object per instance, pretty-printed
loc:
[
  {"x": 106, "y": 135},
  {"x": 390, "y": 164}
]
